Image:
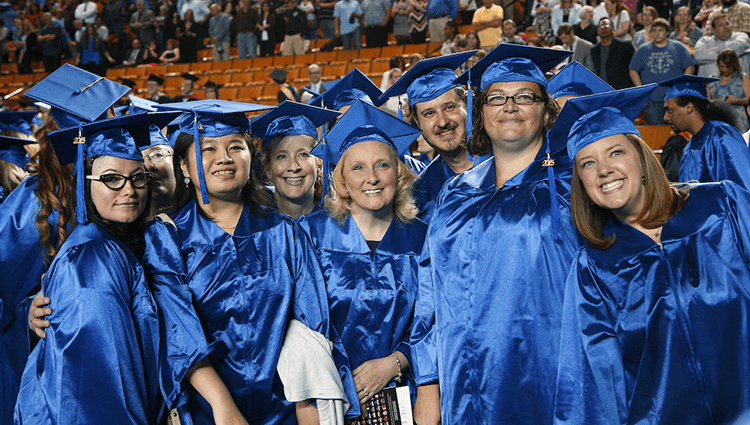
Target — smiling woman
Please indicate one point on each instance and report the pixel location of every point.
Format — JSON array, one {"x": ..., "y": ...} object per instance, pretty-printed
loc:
[
  {"x": 370, "y": 225},
  {"x": 657, "y": 304}
]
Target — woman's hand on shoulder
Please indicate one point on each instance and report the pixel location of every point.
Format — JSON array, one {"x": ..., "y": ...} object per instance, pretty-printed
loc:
[
  {"x": 37, "y": 312},
  {"x": 166, "y": 219}
]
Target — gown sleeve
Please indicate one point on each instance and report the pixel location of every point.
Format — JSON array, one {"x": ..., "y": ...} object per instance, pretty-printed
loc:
[
  {"x": 182, "y": 341},
  {"x": 739, "y": 211},
  {"x": 424, "y": 361},
  {"x": 727, "y": 158},
  {"x": 310, "y": 296},
  {"x": 97, "y": 363},
  {"x": 591, "y": 378}
]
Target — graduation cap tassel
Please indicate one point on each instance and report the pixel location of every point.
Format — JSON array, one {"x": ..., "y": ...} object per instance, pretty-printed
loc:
[
  {"x": 400, "y": 112},
  {"x": 326, "y": 166},
  {"x": 80, "y": 188},
  {"x": 550, "y": 164},
  {"x": 469, "y": 113},
  {"x": 199, "y": 162}
]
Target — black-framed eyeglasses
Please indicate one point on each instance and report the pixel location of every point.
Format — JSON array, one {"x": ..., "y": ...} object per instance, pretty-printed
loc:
[
  {"x": 518, "y": 99},
  {"x": 117, "y": 181}
]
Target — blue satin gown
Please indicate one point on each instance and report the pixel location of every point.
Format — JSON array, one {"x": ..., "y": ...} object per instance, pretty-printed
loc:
[
  {"x": 717, "y": 152},
  {"x": 99, "y": 361},
  {"x": 492, "y": 276},
  {"x": 371, "y": 293},
  {"x": 245, "y": 288},
  {"x": 659, "y": 335}
]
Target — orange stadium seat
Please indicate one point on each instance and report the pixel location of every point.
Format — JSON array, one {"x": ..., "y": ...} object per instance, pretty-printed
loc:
[
  {"x": 369, "y": 53},
  {"x": 241, "y": 65},
  {"x": 283, "y": 61},
  {"x": 200, "y": 67},
  {"x": 325, "y": 57},
  {"x": 391, "y": 51},
  {"x": 346, "y": 55},
  {"x": 176, "y": 68},
  {"x": 249, "y": 93},
  {"x": 263, "y": 63}
]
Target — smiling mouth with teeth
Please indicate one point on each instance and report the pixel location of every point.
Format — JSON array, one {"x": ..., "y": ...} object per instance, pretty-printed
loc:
[
  {"x": 612, "y": 185},
  {"x": 293, "y": 180},
  {"x": 372, "y": 191},
  {"x": 223, "y": 173}
]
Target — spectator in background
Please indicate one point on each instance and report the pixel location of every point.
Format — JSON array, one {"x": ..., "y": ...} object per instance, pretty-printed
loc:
[
  {"x": 541, "y": 11},
  {"x": 171, "y": 54},
  {"x": 211, "y": 90},
  {"x": 191, "y": 38},
  {"x": 78, "y": 25},
  {"x": 451, "y": 36},
  {"x": 294, "y": 26},
  {"x": 473, "y": 39},
  {"x": 186, "y": 88},
  {"x": 438, "y": 13},
  {"x": 160, "y": 22},
  {"x": 664, "y": 8},
  {"x": 142, "y": 23},
  {"x": 391, "y": 105},
  {"x": 509, "y": 33},
  {"x": 311, "y": 21},
  {"x": 347, "y": 15},
  {"x": 101, "y": 30},
  {"x": 133, "y": 56},
  {"x": 51, "y": 37},
  {"x": 218, "y": 30},
  {"x": 245, "y": 24},
  {"x": 581, "y": 48},
  {"x": 418, "y": 20},
  {"x": 199, "y": 8},
  {"x": 266, "y": 29},
  {"x": 659, "y": 60},
  {"x": 466, "y": 10},
  {"x": 325, "y": 18},
  {"x": 153, "y": 88},
  {"x": 92, "y": 52},
  {"x": 314, "y": 73},
  {"x": 396, "y": 61},
  {"x": 707, "y": 7},
  {"x": 685, "y": 29},
  {"x": 567, "y": 11},
  {"x": 400, "y": 13},
  {"x": 708, "y": 47},
  {"x": 487, "y": 22},
  {"x": 86, "y": 11},
  {"x": 620, "y": 17},
  {"x": 737, "y": 12},
  {"x": 377, "y": 13},
  {"x": 586, "y": 28},
  {"x": 28, "y": 48},
  {"x": 643, "y": 35},
  {"x": 151, "y": 53},
  {"x": 733, "y": 86},
  {"x": 612, "y": 57},
  {"x": 286, "y": 90}
]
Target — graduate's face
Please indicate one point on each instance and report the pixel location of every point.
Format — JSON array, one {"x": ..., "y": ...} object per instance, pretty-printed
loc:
[
  {"x": 611, "y": 175},
  {"x": 292, "y": 169},
  {"x": 227, "y": 164},
  {"x": 158, "y": 161},
  {"x": 370, "y": 176},
  {"x": 511, "y": 126},
  {"x": 443, "y": 122},
  {"x": 121, "y": 206},
  {"x": 676, "y": 116}
]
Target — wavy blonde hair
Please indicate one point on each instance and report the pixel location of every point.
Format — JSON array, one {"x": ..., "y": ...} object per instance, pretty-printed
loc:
[{"x": 338, "y": 201}]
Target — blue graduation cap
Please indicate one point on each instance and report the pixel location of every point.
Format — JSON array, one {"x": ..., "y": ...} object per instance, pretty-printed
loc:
[
  {"x": 316, "y": 99},
  {"x": 17, "y": 121},
  {"x": 354, "y": 86},
  {"x": 121, "y": 137},
  {"x": 76, "y": 95},
  {"x": 362, "y": 123},
  {"x": 587, "y": 119},
  {"x": 428, "y": 78},
  {"x": 687, "y": 85},
  {"x": 513, "y": 62},
  {"x": 11, "y": 150},
  {"x": 211, "y": 118},
  {"x": 576, "y": 80},
  {"x": 139, "y": 104},
  {"x": 289, "y": 119},
  {"x": 156, "y": 137},
  {"x": 122, "y": 110}
]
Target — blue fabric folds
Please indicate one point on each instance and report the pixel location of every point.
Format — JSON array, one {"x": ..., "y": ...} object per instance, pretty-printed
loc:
[
  {"x": 99, "y": 361},
  {"x": 22, "y": 265},
  {"x": 717, "y": 152},
  {"x": 371, "y": 293},
  {"x": 491, "y": 280},
  {"x": 245, "y": 287},
  {"x": 659, "y": 335}
]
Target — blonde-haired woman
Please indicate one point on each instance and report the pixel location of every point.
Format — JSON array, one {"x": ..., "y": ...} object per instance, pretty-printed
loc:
[{"x": 368, "y": 245}]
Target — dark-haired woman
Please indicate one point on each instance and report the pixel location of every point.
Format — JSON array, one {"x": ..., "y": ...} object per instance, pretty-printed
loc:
[
  {"x": 190, "y": 39},
  {"x": 733, "y": 86},
  {"x": 658, "y": 304},
  {"x": 248, "y": 271},
  {"x": 92, "y": 52}
]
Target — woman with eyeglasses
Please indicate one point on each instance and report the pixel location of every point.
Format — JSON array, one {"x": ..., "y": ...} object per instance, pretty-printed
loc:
[
  {"x": 487, "y": 318},
  {"x": 99, "y": 361}
]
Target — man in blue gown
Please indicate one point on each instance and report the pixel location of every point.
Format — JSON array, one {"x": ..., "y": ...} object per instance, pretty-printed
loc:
[
  {"x": 487, "y": 318},
  {"x": 439, "y": 109},
  {"x": 717, "y": 150}
]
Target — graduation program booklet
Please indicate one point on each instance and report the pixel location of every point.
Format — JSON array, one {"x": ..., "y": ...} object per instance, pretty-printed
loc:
[{"x": 391, "y": 406}]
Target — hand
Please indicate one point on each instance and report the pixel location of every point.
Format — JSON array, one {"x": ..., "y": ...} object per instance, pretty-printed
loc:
[
  {"x": 338, "y": 32},
  {"x": 427, "y": 406},
  {"x": 166, "y": 219},
  {"x": 37, "y": 312},
  {"x": 371, "y": 376}
]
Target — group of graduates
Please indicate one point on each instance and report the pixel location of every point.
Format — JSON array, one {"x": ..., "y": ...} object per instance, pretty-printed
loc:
[{"x": 287, "y": 268}]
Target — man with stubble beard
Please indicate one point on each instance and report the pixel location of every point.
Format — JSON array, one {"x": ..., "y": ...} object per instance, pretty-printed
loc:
[
  {"x": 439, "y": 110},
  {"x": 737, "y": 12}
]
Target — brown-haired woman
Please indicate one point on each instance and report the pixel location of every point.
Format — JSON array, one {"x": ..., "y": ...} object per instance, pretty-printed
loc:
[
  {"x": 733, "y": 86},
  {"x": 658, "y": 303}
]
